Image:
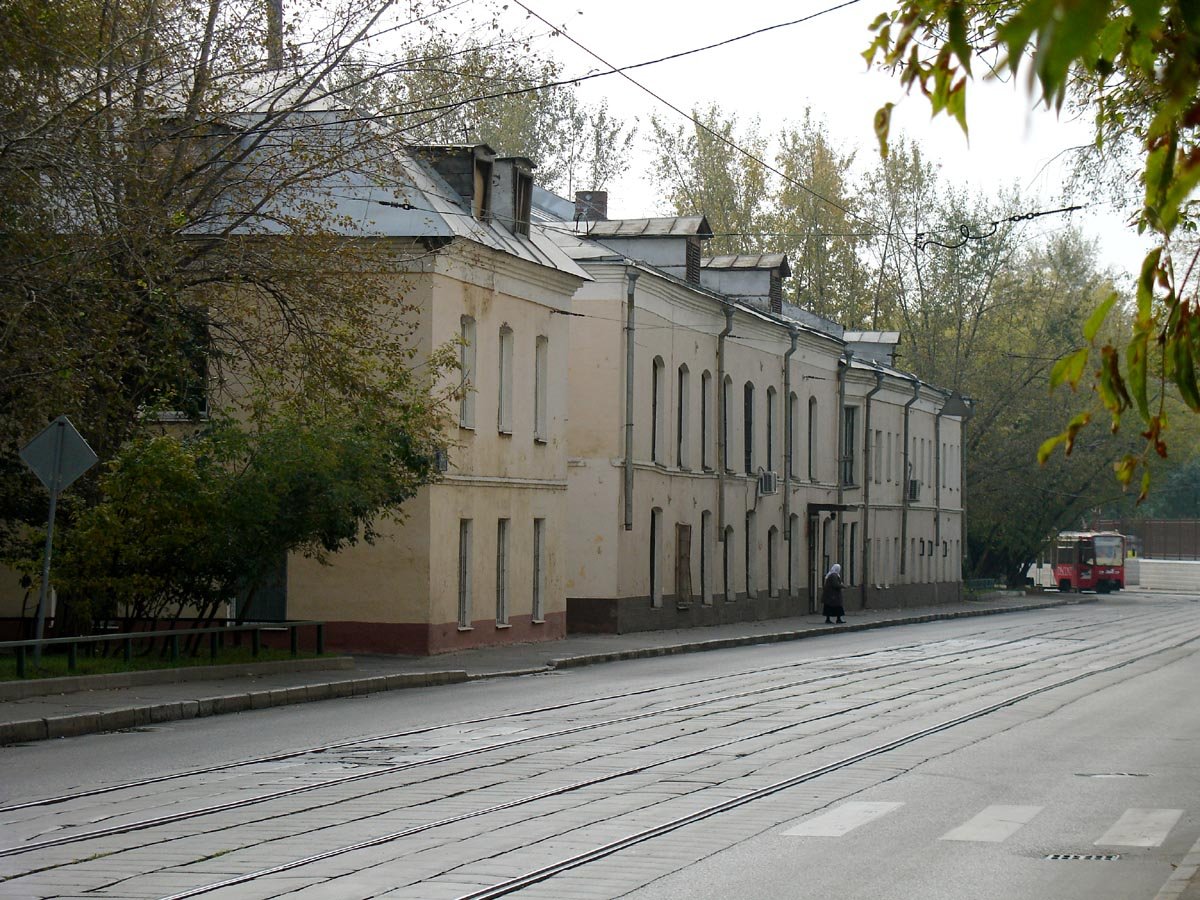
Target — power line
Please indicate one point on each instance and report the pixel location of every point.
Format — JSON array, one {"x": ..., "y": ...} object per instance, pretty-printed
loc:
[{"x": 622, "y": 71}]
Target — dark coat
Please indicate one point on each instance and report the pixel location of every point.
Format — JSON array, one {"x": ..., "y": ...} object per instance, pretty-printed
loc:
[{"x": 831, "y": 596}]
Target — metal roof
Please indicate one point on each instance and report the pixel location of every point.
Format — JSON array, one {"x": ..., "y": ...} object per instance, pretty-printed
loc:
[
  {"x": 871, "y": 337},
  {"x": 749, "y": 261},
  {"x": 671, "y": 226}
]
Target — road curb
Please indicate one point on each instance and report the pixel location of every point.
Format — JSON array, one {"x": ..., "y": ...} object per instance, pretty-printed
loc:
[
  {"x": 38, "y": 729},
  {"x": 76, "y": 724}
]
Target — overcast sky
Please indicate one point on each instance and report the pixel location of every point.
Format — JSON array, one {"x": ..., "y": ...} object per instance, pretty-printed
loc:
[{"x": 774, "y": 76}]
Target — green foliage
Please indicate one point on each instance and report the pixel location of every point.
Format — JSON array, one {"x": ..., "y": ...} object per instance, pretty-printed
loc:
[
  {"x": 194, "y": 520},
  {"x": 1135, "y": 66}
]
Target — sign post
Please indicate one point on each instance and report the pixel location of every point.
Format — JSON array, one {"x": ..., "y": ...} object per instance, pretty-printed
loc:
[{"x": 57, "y": 456}]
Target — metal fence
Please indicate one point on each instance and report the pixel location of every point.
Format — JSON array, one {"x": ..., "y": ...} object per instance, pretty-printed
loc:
[{"x": 1159, "y": 538}]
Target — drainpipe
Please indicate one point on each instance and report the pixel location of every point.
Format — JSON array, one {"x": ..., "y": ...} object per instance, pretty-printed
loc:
[
  {"x": 843, "y": 368},
  {"x": 722, "y": 421},
  {"x": 789, "y": 425},
  {"x": 629, "y": 342},
  {"x": 904, "y": 479},
  {"x": 867, "y": 478}
]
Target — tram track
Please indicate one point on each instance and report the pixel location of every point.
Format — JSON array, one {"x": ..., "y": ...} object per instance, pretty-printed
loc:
[
  {"x": 941, "y": 660},
  {"x": 243, "y": 803},
  {"x": 76, "y": 796},
  {"x": 537, "y": 875}
]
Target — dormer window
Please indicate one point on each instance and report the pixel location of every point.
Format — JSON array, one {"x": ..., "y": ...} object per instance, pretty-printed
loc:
[
  {"x": 481, "y": 198},
  {"x": 522, "y": 201}
]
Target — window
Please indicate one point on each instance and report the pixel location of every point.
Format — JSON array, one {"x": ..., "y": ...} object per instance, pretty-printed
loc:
[
  {"x": 541, "y": 355},
  {"x": 726, "y": 405},
  {"x": 727, "y": 567},
  {"x": 502, "y": 572},
  {"x": 464, "y": 573},
  {"x": 849, "y": 418},
  {"x": 657, "y": 409},
  {"x": 773, "y": 562},
  {"x": 751, "y": 585},
  {"x": 705, "y": 560},
  {"x": 466, "y": 361},
  {"x": 682, "y": 451},
  {"x": 812, "y": 438},
  {"x": 522, "y": 201},
  {"x": 793, "y": 430},
  {"x": 656, "y": 554},
  {"x": 889, "y": 457},
  {"x": 877, "y": 457},
  {"x": 852, "y": 557},
  {"x": 748, "y": 429},
  {"x": 772, "y": 416},
  {"x": 705, "y": 420},
  {"x": 504, "y": 396},
  {"x": 539, "y": 570},
  {"x": 795, "y": 543}
]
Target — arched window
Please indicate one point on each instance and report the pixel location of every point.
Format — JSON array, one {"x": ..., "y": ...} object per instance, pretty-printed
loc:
[
  {"x": 658, "y": 409},
  {"x": 656, "y": 556},
  {"x": 726, "y": 405},
  {"x": 773, "y": 562},
  {"x": 793, "y": 431},
  {"x": 751, "y": 542},
  {"x": 727, "y": 583},
  {"x": 794, "y": 548},
  {"x": 772, "y": 417},
  {"x": 682, "y": 448},
  {"x": 748, "y": 429},
  {"x": 812, "y": 438},
  {"x": 705, "y": 420},
  {"x": 706, "y": 587}
]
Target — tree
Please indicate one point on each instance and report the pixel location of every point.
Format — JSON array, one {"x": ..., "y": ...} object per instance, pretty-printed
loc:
[
  {"x": 1133, "y": 66},
  {"x": 492, "y": 93},
  {"x": 169, "y": 231},
  {"x": 700, "y": 172}
]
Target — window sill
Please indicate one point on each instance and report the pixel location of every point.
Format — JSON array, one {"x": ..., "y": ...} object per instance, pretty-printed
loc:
[
  {"x": 500, "y": 625},
  {"x": 503, "y": 433},
  {"x": 465, "y": 628},
  {"x": 537, "y": 439},
  {"x": 465, "y": 427},
  {"x": 537, "y": 621}
]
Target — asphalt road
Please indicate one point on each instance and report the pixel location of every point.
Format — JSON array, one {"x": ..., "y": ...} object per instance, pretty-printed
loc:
[{"x": 941, "y": 760}]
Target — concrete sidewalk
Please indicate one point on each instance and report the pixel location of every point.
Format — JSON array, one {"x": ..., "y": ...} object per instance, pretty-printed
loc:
[{"x": 92, "y": 704}]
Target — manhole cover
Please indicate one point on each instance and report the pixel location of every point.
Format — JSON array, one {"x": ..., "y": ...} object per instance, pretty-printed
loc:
[{"x": 1086, "y": 857}]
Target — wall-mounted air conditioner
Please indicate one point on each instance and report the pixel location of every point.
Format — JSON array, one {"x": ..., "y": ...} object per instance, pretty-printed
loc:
[{"x": 768, "y": 483}]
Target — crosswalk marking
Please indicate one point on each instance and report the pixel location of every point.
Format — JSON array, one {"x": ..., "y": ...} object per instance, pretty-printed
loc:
[
  {"x": 843, "y": 819},
  {"x": 993, "y": 824},
  {"x": 1141, "y": 828}
]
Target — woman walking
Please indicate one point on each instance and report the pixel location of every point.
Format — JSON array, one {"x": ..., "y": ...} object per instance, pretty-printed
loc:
[{"x": 831, "y": 596}]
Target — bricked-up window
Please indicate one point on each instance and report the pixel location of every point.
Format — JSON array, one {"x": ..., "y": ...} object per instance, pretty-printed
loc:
[
  {"x": 693, "y": 260},
  {"x": 464, "y": 573},
  {"x": 727, "y": 585},
  {"x": 773, "y": 562},
  {"x": 793, "y": 429},
  {"x": 812, "y": 438},
  {"x": 705, "y": 560},
  {"x": 751, "y": 542}
]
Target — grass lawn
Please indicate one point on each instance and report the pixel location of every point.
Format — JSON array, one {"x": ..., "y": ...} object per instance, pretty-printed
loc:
[{"x": 54, "y": 665}]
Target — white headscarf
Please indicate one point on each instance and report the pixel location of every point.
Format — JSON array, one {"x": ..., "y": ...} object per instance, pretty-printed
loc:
[{"x": 835, "y": 569}]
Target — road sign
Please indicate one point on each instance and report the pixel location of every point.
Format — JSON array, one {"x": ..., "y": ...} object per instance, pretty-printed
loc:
[{"x": 57, "y": 456}]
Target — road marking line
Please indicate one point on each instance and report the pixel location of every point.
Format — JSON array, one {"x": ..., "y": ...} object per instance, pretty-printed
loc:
[
  {"x": 994, "y": 824},
  {"x": 843, "y": 819},
  {"x": 1141, "y": 828}
]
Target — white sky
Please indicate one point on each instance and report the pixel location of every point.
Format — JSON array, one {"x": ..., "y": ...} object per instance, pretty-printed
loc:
[{"x": 774, "y": 76}]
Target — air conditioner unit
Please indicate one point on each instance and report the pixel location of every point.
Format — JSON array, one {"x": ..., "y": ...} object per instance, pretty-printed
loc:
[
  {"x": 768, "y": 483},
  {"x": 914, "y": 489}
]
